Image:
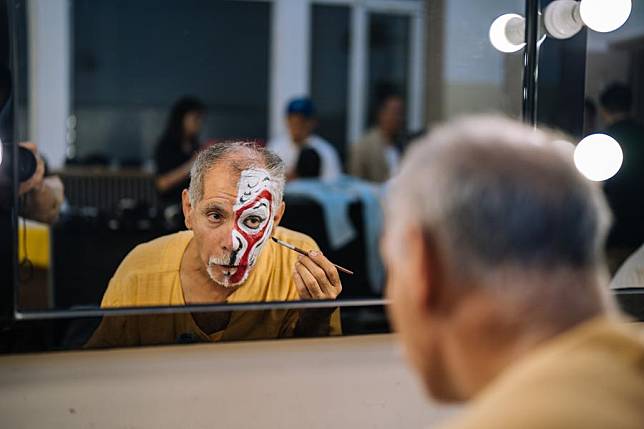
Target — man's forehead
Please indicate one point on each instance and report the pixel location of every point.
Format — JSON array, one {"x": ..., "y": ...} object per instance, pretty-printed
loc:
[{"x": 222, "y": 180}]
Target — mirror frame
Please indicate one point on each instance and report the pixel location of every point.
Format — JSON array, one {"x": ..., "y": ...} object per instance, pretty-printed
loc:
[{"x": 12, "y": 318}]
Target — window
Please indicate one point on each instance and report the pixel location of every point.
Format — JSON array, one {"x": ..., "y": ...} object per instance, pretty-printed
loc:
[
  {"x": 133, "y": 59},
  {"x": 330, "y": 49}
]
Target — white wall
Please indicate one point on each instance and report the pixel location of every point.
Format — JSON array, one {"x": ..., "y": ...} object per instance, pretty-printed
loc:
[
  {"x": 289, "y": 58},
  {"x": 49, "y": 72}
]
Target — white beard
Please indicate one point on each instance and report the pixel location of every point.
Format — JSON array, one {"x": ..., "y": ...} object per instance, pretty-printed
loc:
[{"x": 227, "y": 274}]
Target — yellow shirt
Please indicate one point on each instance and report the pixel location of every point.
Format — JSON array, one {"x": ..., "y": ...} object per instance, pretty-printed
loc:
[
  {"x": 591, "y": 377},
  {"x": 149, "y": 276}
]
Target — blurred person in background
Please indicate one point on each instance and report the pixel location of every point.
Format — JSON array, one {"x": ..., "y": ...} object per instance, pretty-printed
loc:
[
  {"x": 624, "y": 190},
  {"x": 494, "y": 250},
  {"x": 301, "y": 122},
  {"x": 308, "y": 164},
  {"x": 376, "y": 156},
  {"x": 42, "y": 194},
  {"x": 175, "y": 154},
  {"x": 590, "y": 117}
]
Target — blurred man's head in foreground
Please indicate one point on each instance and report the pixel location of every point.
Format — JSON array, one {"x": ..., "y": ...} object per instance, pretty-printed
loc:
[{"x": 493, "y": 242}]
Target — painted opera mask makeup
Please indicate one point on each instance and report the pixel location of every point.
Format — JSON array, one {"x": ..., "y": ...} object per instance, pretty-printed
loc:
[{"x": 253, "y": 213}]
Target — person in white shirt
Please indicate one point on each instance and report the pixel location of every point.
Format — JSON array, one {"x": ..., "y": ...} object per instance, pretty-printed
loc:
[{"x": 301, "y": 121}]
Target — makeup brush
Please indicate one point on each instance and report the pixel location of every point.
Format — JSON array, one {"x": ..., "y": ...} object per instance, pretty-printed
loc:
[{"x": 305, "y": 253}]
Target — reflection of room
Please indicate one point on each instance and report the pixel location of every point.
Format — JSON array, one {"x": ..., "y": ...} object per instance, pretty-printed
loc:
[
  {"x": 444, "y": 204},
  {"x": 99, "y": 129}
]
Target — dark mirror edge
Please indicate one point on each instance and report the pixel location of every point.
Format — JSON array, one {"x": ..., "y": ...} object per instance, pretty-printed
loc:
[
  {"x": 44, "y": 334},
  {"x": 40, "y": 332},
  {"x": 202, "y": 308}
]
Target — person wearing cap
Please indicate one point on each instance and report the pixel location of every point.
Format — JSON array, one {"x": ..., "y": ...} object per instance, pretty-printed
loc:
[{"x": 300, "y": 122}]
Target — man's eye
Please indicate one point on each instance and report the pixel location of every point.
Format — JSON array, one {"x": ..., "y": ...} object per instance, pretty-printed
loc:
[
  {"x": 215, "y": 216},
  {"x": 253, "y": 222}
]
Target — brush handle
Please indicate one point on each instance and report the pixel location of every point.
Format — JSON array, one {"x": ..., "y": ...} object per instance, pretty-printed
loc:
[{"x": 305, "y": 253}]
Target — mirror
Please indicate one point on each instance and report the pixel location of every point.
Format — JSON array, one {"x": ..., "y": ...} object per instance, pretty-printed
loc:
[
  {"x": 614, "y": 106},
  {"x": 136, "y": 89}
]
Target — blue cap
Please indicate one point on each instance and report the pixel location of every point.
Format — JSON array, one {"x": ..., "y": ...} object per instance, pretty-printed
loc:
[{"x": 301, "y": 106}]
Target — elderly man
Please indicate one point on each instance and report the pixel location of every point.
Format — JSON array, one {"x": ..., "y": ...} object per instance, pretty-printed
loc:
[
  {"x": 232, "y": 210},
  {"x": 494, "y": 251}
]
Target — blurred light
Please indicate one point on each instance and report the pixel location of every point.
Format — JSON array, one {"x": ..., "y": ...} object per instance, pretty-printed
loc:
[
  {"x": 507, "y": 33},
  {"x": 598, "y": 157},
  {"x": 605, "y": 15},
  {"x": 561, "y": 19},
  {"x": 1, "y": 151}
]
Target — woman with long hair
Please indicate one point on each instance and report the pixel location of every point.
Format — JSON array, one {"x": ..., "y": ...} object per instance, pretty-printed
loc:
[{"x": 175, "y": 154}]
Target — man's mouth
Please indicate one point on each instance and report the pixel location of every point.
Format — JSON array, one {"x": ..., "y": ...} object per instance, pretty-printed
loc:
[{"x": 229, "y": 270}]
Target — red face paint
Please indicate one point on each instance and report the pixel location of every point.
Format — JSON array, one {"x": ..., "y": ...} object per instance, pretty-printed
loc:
[{"x": 253, "y": 223}]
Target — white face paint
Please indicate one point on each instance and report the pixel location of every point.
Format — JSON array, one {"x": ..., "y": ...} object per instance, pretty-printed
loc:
[{"x": 253, "y": 222}]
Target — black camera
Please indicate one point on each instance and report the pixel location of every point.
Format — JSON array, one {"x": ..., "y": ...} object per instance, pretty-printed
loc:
[{"x": 27, "y": 162}]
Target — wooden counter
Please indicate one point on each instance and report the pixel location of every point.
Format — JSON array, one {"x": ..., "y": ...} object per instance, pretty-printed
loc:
[{"x": 347, "y": 382}]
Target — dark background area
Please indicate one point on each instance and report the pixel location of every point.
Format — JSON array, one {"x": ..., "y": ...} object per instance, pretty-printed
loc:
[{"x": 133, "y": 59}]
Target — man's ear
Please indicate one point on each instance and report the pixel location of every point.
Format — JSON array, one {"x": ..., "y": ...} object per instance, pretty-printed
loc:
[
  {"x": 278, "y": 214},
  {"x": 425, "y": 261},
  {"x": 187, "y": 208}
]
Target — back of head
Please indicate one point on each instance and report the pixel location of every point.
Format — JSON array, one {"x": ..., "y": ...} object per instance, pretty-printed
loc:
[
  {"x": 616, "y": 98},
  {"x": 174, "y": 125},
  {"x": 499, "y": 196}
]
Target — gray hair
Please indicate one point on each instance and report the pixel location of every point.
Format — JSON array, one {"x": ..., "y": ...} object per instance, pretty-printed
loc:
[
  {"x": 496, "y": 194},
  {"x": 255, "y": 157}
]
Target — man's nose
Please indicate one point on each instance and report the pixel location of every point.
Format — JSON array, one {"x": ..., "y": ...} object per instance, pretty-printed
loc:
[{"x": 227, "y": 242}]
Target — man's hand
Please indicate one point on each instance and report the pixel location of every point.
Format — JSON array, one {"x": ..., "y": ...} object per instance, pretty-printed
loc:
[
  {"x": 316, "y": 277},
  {"x": 43, "y": 203}
]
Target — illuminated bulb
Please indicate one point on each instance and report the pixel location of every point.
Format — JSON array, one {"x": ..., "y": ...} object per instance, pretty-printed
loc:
[
  {"x": 598, "y": 157},
  {"x": 604, "y": 15},
  {"x": 507, "y": 33},
  {"x": 561, "y": 19}
]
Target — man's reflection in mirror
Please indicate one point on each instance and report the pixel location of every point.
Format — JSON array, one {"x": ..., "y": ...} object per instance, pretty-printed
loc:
[{"x": 232, "y": 209}]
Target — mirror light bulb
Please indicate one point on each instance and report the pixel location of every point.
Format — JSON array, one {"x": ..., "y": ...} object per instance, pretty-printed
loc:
[
  {"x": 598, "y": 157},
  {"x": 605, "y": 15},
  {"x": 506, "y": 33}
]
